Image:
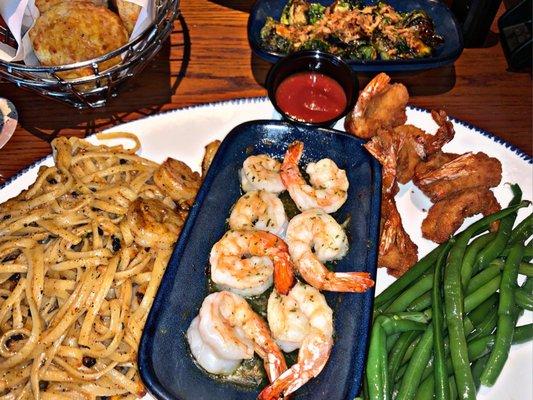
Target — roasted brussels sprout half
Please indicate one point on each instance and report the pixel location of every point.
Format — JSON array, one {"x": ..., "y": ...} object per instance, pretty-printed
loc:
[
  {"x": 315, "y": 44},
  {"x": 316, "y": 12},
  {"x": 295, "y": 13},
  {"x": 272, "y": 40}
]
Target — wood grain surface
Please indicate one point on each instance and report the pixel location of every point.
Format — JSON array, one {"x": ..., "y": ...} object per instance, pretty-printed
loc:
[{"x": 208, "y": 59}]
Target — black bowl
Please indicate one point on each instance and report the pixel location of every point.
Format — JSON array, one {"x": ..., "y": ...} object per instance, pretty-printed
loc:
[{"x": 315, "y": 61}]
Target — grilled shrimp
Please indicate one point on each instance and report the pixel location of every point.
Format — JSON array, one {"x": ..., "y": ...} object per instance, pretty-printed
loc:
[
  {"x": 177, "y": 181},
  {"x": 300, "y": 320},
  {"x": 210, "y": 151},
  {"x": 261, "y": 172},
  {"x": 380, "y": 105},
  {"x": 152, "y": 223},
  {"x": 329, "y": 184},
  {"x": 259, "y": 210},
  {"x": 226, "y": 331},
  {"x": 314, "y": 237},
  {"x": 245, "y": 262}
]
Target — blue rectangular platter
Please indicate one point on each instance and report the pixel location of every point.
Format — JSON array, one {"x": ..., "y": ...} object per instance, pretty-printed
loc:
[
  {"x": 165, "y": 363},
  {"x": 445, "y": 25}
]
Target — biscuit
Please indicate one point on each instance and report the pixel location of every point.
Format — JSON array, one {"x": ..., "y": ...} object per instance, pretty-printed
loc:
[
  {"x": 77, "y": 31},
  {"x": 129, "y": 12},
  {"x": 45, "y": 5}
]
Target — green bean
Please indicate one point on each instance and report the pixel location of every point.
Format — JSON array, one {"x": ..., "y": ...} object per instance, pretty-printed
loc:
[
  {"x": 477, "y": 368},
  {"x": 493, "y": 270},
  {"x": 471, "y": 253},
  {"x": 377, "y": 364},
  {"x": 398, "y": 352},
  {"x": 420, "y": 287},
  {"x": 486, "y": 327},
  {"x": 522, "y": 231},
  {"x": 474, "y": 299},
  {"x": 415, "y": 368},
  {"x": 528, "y": 252},
  {"x": 479, "y": 314},
  {"x": 484, "y": 277},
  {"x": 494, "y": 248},
  {"x": 417, "y": 270},
  {"x": 525, "y": 269},
  {"x": 478, "y": 349},
  {"x": 523, "y": 334},
  {"x": 507, "y": 317},
  {"x": 523, "y": 299},
  {"x": 454, "y": 308},
  {"x": 442, "y": 389},
  {"x": 421, "y": 303}
]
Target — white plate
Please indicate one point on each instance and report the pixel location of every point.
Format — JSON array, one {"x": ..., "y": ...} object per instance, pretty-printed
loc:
[{"x": 182, "y": 134}]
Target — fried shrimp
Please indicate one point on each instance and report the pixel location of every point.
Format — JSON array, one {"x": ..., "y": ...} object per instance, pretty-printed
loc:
[
  {"x": 397, "y": 252},
  {"x": 259, "y": 210},
  {"x": 227, "y": 331},
  {"x": 300, "y": 320},
  {"x": 381, "y": 105},
  {"x": 417, "y": 145},
  {"x": 261, "y": 172},
  {"x": 245, "y": 262},
  {"x": 314, "y": 237},
  {"x": 444, "y": 175},
  {"x": 151, "y": 223},
  {"x": 329, "y": 185},
  {"x": 448, "y": 214},
  {"x": 178, "y": 181}
]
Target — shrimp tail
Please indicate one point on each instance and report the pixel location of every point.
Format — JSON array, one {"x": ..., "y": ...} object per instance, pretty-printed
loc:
[
  {"x": 433, "y": 143},
  {"x": 283, "y": 274},
  {"x": 312, "y": 358},
  {"x": 358, "y": 282},
  {"x": 278, "y": 250},
  {"x": 290, "y": 174},
  {"x": 377, "y": 85}
]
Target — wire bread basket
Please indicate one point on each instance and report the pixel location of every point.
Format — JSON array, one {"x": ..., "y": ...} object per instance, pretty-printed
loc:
[{"x": 94, "y": 91}]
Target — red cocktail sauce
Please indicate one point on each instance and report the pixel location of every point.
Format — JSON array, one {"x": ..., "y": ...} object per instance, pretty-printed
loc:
[{"x": 311, "y": 97}]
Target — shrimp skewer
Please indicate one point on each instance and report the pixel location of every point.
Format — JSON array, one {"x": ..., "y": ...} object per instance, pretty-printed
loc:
[
  {"x": 261, "y": 172},
  {"x": 259, "y": 210},
  {"x": 329, "y": 184},
  {"x": 314, "y": 237},
  {"x": 226, "y": 331},
  {"x": 303, "y": 320},
  {"x": 245, "y": 262}
]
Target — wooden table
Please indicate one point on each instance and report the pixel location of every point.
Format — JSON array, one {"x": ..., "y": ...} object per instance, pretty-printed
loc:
[{"x": 208, "y": 59}]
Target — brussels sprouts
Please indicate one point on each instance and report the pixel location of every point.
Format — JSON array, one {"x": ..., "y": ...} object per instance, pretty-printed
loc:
[
  {"x": 295, "y": 13},
  {"x": 316, "y": 12}
]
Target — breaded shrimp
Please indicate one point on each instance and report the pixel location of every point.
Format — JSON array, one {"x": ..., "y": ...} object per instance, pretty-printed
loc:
[
  {"x": 381, "y": 105},
  {"x": 448, "y": 214},
  {"x": 466, "y": 171}
]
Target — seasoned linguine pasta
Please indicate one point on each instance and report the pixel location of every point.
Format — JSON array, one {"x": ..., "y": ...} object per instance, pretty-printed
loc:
[{"x": 82, "y": 253}]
